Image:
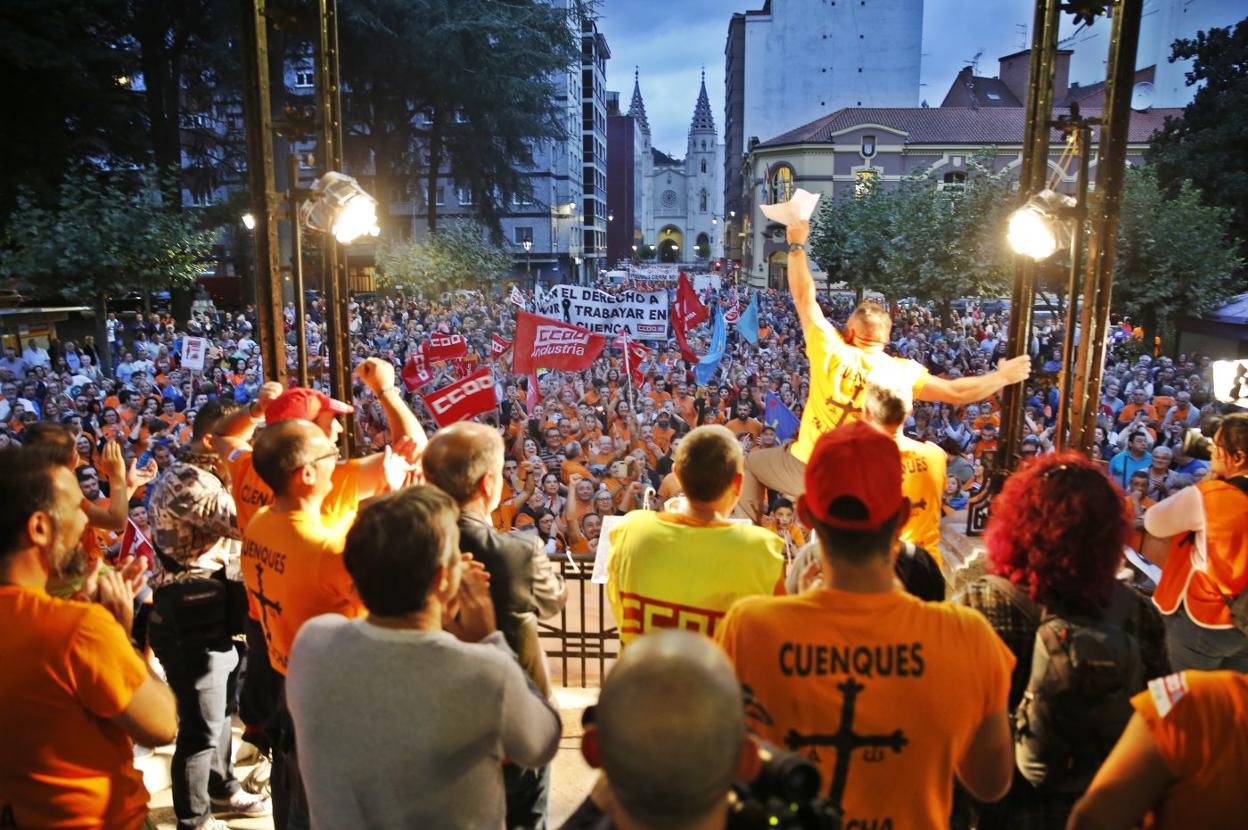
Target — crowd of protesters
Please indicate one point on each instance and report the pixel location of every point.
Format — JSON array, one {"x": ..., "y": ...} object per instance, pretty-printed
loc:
[{"x": 411, "y": 579}]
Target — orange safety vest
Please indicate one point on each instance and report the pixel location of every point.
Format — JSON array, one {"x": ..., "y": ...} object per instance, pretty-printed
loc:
[{"x": 1226, "y": 542}]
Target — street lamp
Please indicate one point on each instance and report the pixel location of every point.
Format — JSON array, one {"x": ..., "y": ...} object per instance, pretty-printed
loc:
[
  {"x": 249, "y": 221},
  {"x": 528, "y": 263},
  {"x": 610, "y": 217}
]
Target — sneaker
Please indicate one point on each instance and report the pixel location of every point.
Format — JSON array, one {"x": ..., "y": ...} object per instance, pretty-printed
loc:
[
  {"x": 242, "y": 805},
  {"x": 257, "y": 781},
  {"x": 213, "y": 824}
]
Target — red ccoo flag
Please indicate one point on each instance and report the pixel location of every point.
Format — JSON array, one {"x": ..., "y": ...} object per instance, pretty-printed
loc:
[
  {"x": 463, "y": 399},
  {"x": 414, "y": 374},
  {"x": 553, "y": 344},
  {"x": 498, "y": 347},
  {"x": 445, "y": 347}
]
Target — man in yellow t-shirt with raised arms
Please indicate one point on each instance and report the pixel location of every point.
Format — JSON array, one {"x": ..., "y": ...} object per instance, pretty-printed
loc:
[
  {"x": 840, "y": 368},
  {"x": 685, "y": 569},
  {"x": 888, "y": 695},
  {"x": 292, "y": 565}
]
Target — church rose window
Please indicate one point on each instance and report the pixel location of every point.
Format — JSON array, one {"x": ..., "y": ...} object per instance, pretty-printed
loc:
[{"x": 669, "y": 199}]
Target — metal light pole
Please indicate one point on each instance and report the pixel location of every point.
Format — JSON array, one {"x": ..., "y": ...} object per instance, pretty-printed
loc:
[
  {"x": 1080, "y": 380},
  {"x": 296, "y": 272},
  {"x": 528, "y": 262}
]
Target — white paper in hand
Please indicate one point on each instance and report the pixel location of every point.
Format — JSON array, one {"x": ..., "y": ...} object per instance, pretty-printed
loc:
[{"x": 799, "y": 208}]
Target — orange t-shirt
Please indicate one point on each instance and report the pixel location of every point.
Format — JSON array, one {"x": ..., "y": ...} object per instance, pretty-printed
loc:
[
  {"x": 1197, "y": 722},
  {"x": 916, "y": 679},
  {"x": 251, "y": 493},
  {"x": 292, "y": 564},
  {"x": 68, "y": 668}
]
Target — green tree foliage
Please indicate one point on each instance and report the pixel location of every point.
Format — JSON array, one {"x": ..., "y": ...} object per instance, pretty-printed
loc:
[
  {"x": 1176, "y": 255},
  {"x": 1209, "y": 143},
  {"x": 460, "y": 87},
  {"x": 97, "y": 240},
  {"x": 457, "y": 255},
  {"x": 919, "y": 239},
  {"x": 65, "y": 90}
]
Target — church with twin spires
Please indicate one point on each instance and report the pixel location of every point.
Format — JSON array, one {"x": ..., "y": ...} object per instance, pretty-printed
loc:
[{"x": 673, "y": 205}]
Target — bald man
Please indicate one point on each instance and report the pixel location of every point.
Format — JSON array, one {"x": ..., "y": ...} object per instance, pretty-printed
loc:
[
  {"x": 465, "y": 460},
  {"x": 669, "y": 731}
]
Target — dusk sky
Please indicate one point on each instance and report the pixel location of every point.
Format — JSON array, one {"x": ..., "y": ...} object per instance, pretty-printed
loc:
[{"x": 672, "y": 39}]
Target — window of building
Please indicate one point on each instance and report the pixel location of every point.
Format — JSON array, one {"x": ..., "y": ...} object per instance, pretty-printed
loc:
[
  {"x": 702, "y": 202},
  {"x": 780, "y": 184},
  {"x": 464, "y": 195},
  {"x": 955, "y": 181},
  {"x": 439, "y": 198},
  {"x": 201, "y": 198},
  {"x": 993, "y": 96},
  {"x": 868, "y": 146},
  {"x": 305, "y": 78},
  {"x": 522, "y": 234},
  {"x": 703, "y": 165}
]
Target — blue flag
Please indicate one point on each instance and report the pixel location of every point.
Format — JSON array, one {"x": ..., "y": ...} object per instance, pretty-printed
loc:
[
  {"x": 779, "y": 418},
  {"x": 709, "y": 362},
  {"x": 747, "y": 326}
]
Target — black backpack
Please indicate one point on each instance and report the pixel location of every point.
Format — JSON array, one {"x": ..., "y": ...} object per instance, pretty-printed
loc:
[{"x": 1084, "y": 671}]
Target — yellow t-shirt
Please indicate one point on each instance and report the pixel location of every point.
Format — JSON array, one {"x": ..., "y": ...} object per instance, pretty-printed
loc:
[
  {"x": 923, "y": 473},
  {"x": 66, "y": 667},
  {"x": 1197, "y": 722},
  {"x": 666, "y": 571},
  {"x": 838, "y": 383},
  {"x": 292, "y": 565},
  {"x": 907, "y": 683}
]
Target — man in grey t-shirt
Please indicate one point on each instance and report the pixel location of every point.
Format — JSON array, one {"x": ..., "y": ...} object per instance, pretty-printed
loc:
[{"x": 404, "y": 717}]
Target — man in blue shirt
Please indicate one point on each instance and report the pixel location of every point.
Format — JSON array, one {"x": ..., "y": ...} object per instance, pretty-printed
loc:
[{"x": 1134, "y": 457}]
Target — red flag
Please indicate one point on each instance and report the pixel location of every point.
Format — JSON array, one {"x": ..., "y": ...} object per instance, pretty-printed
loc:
[
  {"x": 445, "y": 347},
  {"x": 533, "y": 396},
  {"x": 134, "y": 543},
  {"x": 687, "y": 312},
  {"x": 553, "y": 344},
  {"x": 498, "y": 347},
  {"x": 637, "y": 355},
  {"x": 463, "y": 399},
  {"x": 414, "y": 374},
  {"x": 688, "y": 307}
]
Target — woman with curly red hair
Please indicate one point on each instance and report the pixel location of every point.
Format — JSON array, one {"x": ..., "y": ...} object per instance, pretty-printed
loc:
[{"x": 1057, "y": 533}]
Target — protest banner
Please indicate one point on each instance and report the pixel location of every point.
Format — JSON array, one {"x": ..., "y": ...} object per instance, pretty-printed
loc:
[
  {"x": 642, "y": 315},
  {"x": 445, "y": 347},
  {"x": 194, "y": 351},
  {"x": 552, "y": 344}
]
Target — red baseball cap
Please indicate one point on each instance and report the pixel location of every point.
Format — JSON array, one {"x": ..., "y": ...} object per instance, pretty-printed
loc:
[
  {"x": 855, "y": 461},
  {"x": 304, "y": 404}
]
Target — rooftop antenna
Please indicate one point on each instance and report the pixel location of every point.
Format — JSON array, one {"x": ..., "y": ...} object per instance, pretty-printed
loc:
[
  {"x": 1022, "y": 35},
  {"x": 973, "y": 63}
]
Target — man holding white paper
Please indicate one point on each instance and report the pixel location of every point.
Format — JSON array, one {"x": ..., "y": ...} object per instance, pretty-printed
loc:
[{"x": 841, "y": 367}]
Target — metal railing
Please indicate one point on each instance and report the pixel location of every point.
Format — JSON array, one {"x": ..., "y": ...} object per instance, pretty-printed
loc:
[{"x": 583, "y": 636}]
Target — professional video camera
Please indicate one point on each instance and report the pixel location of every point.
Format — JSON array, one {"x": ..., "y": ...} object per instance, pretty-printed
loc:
[{"x": 784, "y": 795}]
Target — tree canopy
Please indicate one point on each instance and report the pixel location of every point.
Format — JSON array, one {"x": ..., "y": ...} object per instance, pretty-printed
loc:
[
  {"x": 1209, "y": 143},
  {"x": 458, "y": 254},
  {"x": 99, "y": 239},
  {"x": 1176, "y": 255},
  {"x": 923, "y": 238},
  {"x": 460, "y": 87}
]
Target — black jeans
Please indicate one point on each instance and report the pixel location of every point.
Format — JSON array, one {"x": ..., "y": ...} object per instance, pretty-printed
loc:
[
  {"x": 290, "y": 802},
  {"x": 262, "y": 689},
  {"x": 203, "y": 678}
]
